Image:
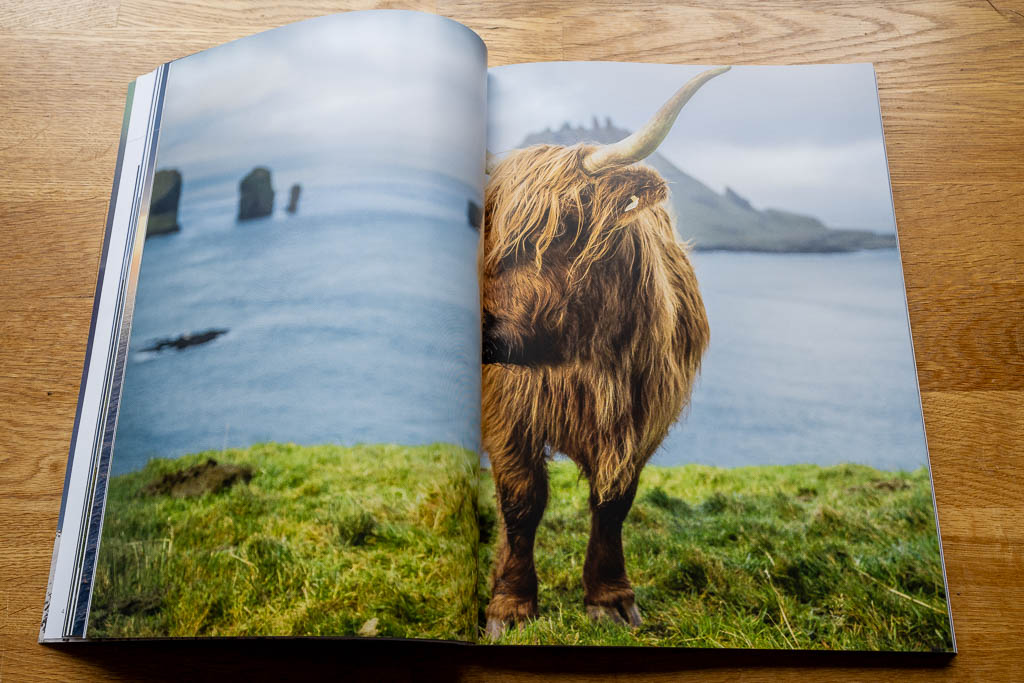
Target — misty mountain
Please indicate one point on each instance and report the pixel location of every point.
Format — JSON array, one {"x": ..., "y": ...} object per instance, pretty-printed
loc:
[{"x": 725, "y": 221}]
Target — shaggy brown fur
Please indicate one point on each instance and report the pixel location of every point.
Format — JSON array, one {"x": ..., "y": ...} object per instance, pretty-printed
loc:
[{"x": 594, "y": 332}]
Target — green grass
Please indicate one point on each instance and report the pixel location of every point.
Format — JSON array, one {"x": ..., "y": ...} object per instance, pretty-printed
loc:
[
  {"x": 321, "y": 541},
  {"x": 795, "y": 556},
  {"x": 327, "y": 540}
]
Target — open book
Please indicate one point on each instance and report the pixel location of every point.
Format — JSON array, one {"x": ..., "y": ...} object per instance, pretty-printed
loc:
[{"x": 388, "y": 344}]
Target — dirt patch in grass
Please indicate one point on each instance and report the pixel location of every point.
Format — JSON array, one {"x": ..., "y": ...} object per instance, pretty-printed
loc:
[{"x": 208, "y": 477}]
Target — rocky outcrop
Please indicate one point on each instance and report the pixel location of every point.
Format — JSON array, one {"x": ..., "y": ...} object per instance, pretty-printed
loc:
[
  {"x": 293, "y": 198},
  {"x": 474, "y": 214},
  {"x": 163, "y": 204},
  {"x": 256, "y": 195},
  {"x": 727, "y": 222},
  {"x": 185, "y": 340}
]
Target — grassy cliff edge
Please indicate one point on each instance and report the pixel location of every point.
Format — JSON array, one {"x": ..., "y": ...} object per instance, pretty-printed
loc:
[
  {"x": 323, "y": 540},
  {"x": 383, "y": 541},
  {"x": 788, "y": 557}
]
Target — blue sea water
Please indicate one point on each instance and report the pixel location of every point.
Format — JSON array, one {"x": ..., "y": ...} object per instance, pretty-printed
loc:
[
  {"x": 356, "y": 321},
  {"x": 810, "y": 361}
]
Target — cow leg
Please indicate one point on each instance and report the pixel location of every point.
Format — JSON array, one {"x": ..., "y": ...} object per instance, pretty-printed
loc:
[
  {"x": 607, "y": 593},
  {"x": 521, "y": 486}
]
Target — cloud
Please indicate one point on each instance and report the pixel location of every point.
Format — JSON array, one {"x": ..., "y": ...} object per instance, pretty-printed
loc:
[
  {"x": 802, "y": 138},
  {"x": 397, "y": 86},
  {"x": 408, "y": 87}
]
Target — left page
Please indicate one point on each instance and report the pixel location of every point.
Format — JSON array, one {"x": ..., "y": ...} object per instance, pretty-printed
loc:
[{"x": 297, "y": 405}]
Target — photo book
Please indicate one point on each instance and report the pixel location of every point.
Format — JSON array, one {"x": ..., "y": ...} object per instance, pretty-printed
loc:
[{"x": 388, "y": 344}]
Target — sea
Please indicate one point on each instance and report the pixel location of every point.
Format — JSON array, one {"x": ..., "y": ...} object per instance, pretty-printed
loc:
[
  {"x": 810, "y": 361},
  {"x": 355, "y": 321}
]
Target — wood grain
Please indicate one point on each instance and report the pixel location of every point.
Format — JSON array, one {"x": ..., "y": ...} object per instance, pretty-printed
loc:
[{"x": 951, "y": 82}]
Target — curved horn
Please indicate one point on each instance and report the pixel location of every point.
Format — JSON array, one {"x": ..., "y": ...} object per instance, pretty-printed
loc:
[
  {"x": 490, "y": 162},
  {"x": 642, "y": 143}
]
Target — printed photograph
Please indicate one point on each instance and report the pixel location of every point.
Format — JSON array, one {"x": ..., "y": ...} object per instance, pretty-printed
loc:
[
  {"x": 701, "y": 416},
  {"x": 297, "y": 447}
]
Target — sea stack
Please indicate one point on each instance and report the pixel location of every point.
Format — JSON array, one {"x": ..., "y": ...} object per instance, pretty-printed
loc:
[
  {"x": 293, "y": 198},
  {"x": 163, "y": 205},
  {"x": 256, "y": 195},
  {"x": 474, "y": 214}
]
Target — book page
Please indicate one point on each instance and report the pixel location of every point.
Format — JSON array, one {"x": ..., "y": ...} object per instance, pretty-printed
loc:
[
  {"x": 700, "y": 404},
  {"x": 296, "y": 448}
]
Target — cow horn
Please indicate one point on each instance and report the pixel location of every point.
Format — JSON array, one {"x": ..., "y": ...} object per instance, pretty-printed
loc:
[
  {"x": 490, "y": 162},
  {"x": 642, "y": 143}
]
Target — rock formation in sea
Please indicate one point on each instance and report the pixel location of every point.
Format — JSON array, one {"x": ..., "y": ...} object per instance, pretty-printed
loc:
[
  {"x": 186, "y": 340},
  {"x": 163, "y": 205},
  {"x": 293, "y": 198},
  {"x": 256, "y": 195},
  {"x": 474, "y": 214}
]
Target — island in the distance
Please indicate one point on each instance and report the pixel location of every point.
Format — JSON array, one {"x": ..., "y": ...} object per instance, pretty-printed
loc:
[{"x": 726, "y": 222}]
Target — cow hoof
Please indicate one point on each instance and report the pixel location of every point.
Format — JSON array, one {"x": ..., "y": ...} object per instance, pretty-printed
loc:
[
  {"x": 625, "y": 614},
  {"x": 505, "y": 610},
  {"x": 495, "y": 629}
]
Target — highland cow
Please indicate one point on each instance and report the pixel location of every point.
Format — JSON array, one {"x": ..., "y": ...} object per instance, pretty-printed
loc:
[{"x": 594, "y": 329}]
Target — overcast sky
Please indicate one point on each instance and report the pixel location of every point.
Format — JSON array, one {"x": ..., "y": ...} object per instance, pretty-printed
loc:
[
  {"x": 802, "y": 138},
  {"x": 374, "y": 86},
  {"x": 405, "y": 87}
]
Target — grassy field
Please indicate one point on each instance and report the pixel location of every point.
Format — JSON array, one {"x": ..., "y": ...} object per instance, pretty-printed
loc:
[
  {"x": 322, "y": 540},
  {"x": 380, "y": 540},
  {"x": 794, "y": 556}
]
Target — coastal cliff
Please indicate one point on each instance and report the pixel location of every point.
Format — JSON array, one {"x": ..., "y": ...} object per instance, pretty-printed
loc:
[{"x": 726, "y": 221}]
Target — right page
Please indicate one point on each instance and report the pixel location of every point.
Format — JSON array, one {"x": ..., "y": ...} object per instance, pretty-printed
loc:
[{"x": 700, "y": 405}]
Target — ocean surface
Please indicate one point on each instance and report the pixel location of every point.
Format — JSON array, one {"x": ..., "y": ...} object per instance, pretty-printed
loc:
[
  {"x": 810, "y": 361},
  {"x": 355, "y": 321}
]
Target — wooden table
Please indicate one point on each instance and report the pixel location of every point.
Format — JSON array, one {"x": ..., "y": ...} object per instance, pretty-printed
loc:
[{"x": 951, "y": 77}]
